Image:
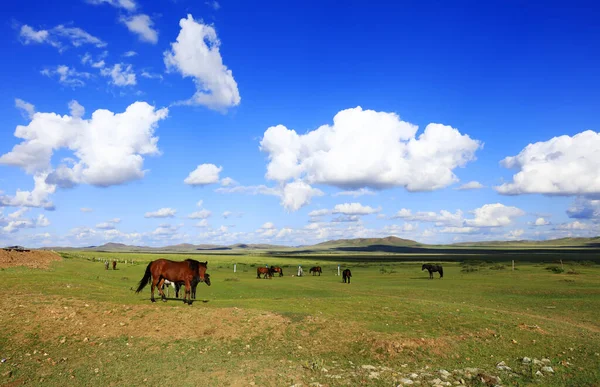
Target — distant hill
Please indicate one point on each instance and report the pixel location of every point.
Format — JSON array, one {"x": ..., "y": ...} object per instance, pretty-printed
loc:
[
  {"x": 560, "y": 242},
  {"x": 367, "y": 242}
]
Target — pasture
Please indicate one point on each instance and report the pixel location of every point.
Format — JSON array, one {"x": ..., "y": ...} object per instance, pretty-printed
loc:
[{"x": 77, "y": 323}]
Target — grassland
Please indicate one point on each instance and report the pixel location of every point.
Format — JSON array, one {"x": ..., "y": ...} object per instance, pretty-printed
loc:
[{"x": 78, "y": 324}]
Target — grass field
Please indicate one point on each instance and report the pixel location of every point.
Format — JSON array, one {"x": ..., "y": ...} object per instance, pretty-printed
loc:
[{"x": 78, "y": 324}]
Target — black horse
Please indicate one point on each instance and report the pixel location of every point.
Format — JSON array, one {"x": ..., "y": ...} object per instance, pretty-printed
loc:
[
  {"x": 346, "y": 274},
  {"x": 314, "y": 270},
  {"x": 432, "y": 268}
]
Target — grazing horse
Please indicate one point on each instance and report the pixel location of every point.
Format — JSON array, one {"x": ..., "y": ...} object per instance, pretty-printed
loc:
[
  {"x": 346, "y": 274},
  {"x": 105, "y": 265},
  {"x": 276, "y": 269},
  {"x": 432, "y": 268},
  {"x": 315, "y": 270},
  {"x": 194, "y": 284},
  {"x": 263, "y": 270},
  {"x": 163, "y": 269},
  {"x": 114, "y": 265}
]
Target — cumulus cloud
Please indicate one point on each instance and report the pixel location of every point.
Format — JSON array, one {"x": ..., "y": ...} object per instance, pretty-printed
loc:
[
  {"x": 42, "y": 221},
  {"x": 202, "y": 214},
  {"x": 317, "y": 213},
  {"x": 228, "y": 182},
  {"x": 120, "y": 75},
  {"x": 541, "y": 222},
  {"x": 129, "y": 54},
  {"x": 204, "y": 174},
  {"x": 15, "y": 221},
  {"x": 354, "y": 209},
  {"x": 355, "y": 193},
  {"x": 494, "y": 215},
  {"x": 576, "y": 225},
  {"x": 202, "y": 224},
  {"x": 141, "y": 25},
  {"x": 227, "y": 214},
  {"x": 250, "y": 190},
  {"x": 161, "y": 213},
  {"x": 368, "y": 149},
  {"x": 459, "y": 230},
  {"x": 563, "y": 165},
  {"x": 196, "y": 54},
  {"x": 129, "y": 5},
  {"x": 109, "y": 225},
  {"x": 67, "y": 76},
  {"x": 109, "y": 147},
  {"x": 58, "y": 37},
  {"x": 470, "y": 185},
  {"x": 298, "y": 194},
  {"x": 38, "y": 197},
  {"x": 515, "y": 234},
  {"x": 26, "y": 107}
]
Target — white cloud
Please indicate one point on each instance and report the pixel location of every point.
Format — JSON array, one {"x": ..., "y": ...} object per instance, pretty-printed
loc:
[
  {"x": 200, "y": 203},
  {"x": 57, "y": 36},
  {"x": 77, "y": 111},
  {"x": 576, "y": 225},
  {"x": 18, "y": 213},
  {"x": 26, "y": 107},
  {"x": 228, "y": 182},
  {"x": 202, "y": 214},
  {"x": 15, "y": 225},
  {"x": 459, "y": 230},
  {"x": 196, "y": 54},
  {"x": 346, "y": 218},
  {"x": 67, "y": 76},
  {"x": 443, "y": 218},
  {"x": 365, "y": 148},
  {"x": 142, "y": 26},
  {"x": 161, "y": 213},
  {"x": 129, "y": 54},
  {"x": 298, "y": 194},
  {"x": 355, "y": 193},
  {"x": 494, "y": 215},
  {"x": 471, "y": 185},
  {"x": 42, "y": 221},
  {"x": 213, "y": 4},
  {"x": 129, "y": 5},
  {"x": 202, "y": 224},
  {"x": 146, "y": 74},
  {"x": 354, "y": 209},
  {"x": 563, "y": 165},
  {"x": 515, "y": 234},
  {"x": 204, "y": 174},
  {"x": 395, "y": 229},
  {"x": 120, "y": 74},
  {"x": 284, "y": 232},
  {"x": 317, "y": 213},
  {"x": 86, "y": 209},
  {"x": 38, "y": 197},
  {"x": 250, "y": 190},
  {"x": 541, "y": 222},
  {"x": 227, "y": 214},
  {"x": 108, "y": 147},
  {"x": 109, "y": 225}
]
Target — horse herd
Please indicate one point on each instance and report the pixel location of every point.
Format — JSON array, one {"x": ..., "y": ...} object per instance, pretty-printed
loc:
[{"x": 190, "y": 273}]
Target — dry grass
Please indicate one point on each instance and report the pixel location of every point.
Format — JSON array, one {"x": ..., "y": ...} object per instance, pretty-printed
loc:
[{"x": 32, "y": 259}]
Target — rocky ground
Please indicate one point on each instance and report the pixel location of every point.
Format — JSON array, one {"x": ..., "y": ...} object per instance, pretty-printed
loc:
[{"x": 34, "y": 259}]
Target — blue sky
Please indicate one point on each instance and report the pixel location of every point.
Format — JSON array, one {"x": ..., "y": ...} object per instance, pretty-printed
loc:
[{"x": 135, "y": 111}]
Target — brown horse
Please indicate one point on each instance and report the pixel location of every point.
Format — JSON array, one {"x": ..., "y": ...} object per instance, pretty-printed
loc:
[
  {"x": 163, "y": 269},
  {"x": 114, "y": 265},
  {"x": 346, "y": 274},
  {"x": 315, "y": 270},
  {"x": 276, "y": 269},
  {"x": 263, "y": 270}
]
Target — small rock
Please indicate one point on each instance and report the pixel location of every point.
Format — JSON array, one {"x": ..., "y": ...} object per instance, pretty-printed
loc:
[
  {"x": 526, "y": 360},
  {"x": 299, "y": 347},
  {"x": 316, "y": 384},
  {"x": 324, "y": 370},
  {"x": 548, "y": 370},
  {"x": 252, "y": 383},
  {"x": 546, "y": 361},
  {"x": 368, "y": 367},
  {"x": 436, "y": 381},
  {"x": 85, "y": 340},
  {"x": 406, "y": 382},
  {"x": 538, "y": 373},
  {"x": 96, "y": 370},
  {"x": 537, "y": 362},
  {"x": 374, "y": 375},
  {"x": 413, "y": 376},
  {"x": 62, "y": 341},
  {"x": 445, "y": 374}
]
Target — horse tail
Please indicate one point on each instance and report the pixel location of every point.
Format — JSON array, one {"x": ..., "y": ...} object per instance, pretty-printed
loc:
[
  {"x": 145, "y": 279},
  {"x": 441, "y": 272}
]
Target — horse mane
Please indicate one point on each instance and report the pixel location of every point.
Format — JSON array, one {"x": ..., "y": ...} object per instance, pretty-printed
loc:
[{"x": 195, "y": 265}]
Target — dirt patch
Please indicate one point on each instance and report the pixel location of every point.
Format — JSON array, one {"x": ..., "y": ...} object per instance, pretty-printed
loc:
[{"x": 35, "y": 259}]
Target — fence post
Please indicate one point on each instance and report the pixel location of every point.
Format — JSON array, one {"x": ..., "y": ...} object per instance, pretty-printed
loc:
[
  {"x": 513, "y": 264},
  {"x": 338, "y": 270},
  {"x": 235, "y": 267}
]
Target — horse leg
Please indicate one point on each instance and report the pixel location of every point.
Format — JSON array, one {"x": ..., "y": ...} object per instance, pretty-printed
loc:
[
  {"x": 152, "y": 290},
  {"x": 161, "y": 290},
  {"x": 188, "y": 293}
]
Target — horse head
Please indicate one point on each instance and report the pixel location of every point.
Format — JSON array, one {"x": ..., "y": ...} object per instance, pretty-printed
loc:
[
  {"x": 207, "y": 279},
  {"x": 424, "y": 267}
]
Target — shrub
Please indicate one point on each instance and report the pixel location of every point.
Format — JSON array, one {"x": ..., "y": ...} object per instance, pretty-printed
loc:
[
  {"x": 556, "y": 269},
  {"x": 498, "y": 267}
]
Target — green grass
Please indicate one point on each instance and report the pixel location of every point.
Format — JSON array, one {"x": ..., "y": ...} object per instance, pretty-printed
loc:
[{"x": 286, "y": 330}]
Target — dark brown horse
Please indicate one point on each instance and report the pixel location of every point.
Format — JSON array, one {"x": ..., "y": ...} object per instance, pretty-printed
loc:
[
  {"x": 114, "y": 265},
  {"x": 315, "y": 270},
  {"x": 433, "y": 268},
  {"x": 163, "y": 269},
  {"x": 346, "y": 274},
  {"x": 263, "y": 270},
  {"x": 276, "y": 269},
  {"x": 194, "y": 284}
]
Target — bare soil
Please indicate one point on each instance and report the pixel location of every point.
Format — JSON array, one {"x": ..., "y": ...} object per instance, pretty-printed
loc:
[{"x": 34, "y": 259}]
